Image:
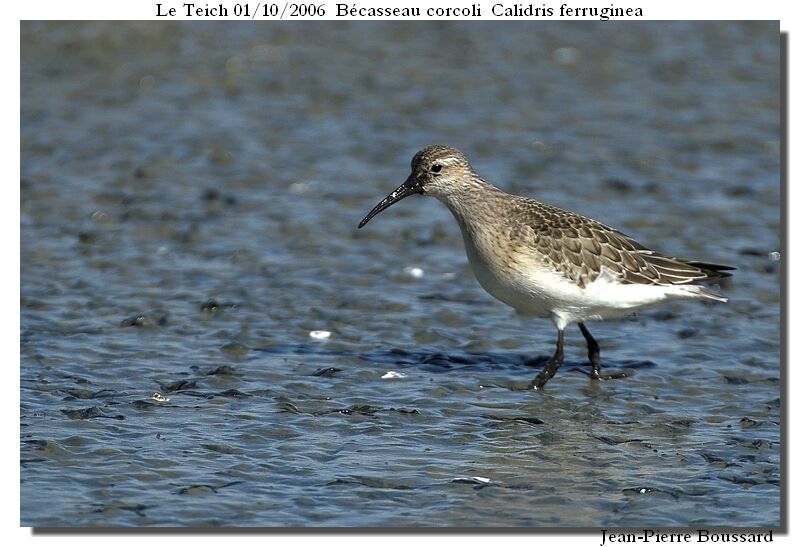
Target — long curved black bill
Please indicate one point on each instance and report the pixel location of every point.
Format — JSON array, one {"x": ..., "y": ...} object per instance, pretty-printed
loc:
[{"x": 410, "y": 186}]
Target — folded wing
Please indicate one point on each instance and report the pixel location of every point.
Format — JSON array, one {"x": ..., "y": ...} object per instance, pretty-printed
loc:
[{"x": 581, "y": 248}]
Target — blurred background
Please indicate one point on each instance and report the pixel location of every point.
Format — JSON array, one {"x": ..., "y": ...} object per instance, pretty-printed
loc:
[{"x": 206, "y": 338}]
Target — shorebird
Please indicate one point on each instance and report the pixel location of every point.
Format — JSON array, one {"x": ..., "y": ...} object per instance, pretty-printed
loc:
[{"x": 547, "y": 261}]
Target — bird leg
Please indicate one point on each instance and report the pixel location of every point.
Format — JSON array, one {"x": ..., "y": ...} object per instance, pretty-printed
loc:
[
  {"x": 552, "y": 365},
  {"x": 594, "y": 356},
  {"x": 594, "y": 348}
]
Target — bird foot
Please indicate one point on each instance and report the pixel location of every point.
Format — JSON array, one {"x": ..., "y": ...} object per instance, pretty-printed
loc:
[
  {"x": 611, "y": 376},
  {"x": 542, "y": 378}
]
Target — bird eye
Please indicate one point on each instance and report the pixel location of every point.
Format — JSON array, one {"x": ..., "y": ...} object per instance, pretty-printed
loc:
[{"x": 436, "y": 167}]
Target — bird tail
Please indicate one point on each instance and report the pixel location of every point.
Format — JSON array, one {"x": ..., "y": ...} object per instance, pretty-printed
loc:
[
  {"x": 698, "y": 291},
  {"x": 713, "y": 271}
]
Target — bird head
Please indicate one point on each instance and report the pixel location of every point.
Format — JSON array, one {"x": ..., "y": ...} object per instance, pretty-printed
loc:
[{"x": 436, "y": 170}]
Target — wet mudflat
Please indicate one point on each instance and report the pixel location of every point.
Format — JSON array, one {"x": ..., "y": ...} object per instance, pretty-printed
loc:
[{"x": 208, "y": 340}]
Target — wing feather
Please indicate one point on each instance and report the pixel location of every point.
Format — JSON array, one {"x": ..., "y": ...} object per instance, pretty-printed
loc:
[{"x": 580, "y": 248}]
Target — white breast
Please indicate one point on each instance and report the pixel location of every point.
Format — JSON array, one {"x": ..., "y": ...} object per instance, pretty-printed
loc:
[{"x": 530, "y": 291}]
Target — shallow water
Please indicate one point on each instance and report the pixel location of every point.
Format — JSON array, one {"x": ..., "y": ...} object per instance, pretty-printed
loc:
[{"x": 189, "y": 198}]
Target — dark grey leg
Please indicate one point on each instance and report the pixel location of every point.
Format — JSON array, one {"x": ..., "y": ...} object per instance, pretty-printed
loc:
[
  {"x": 594, "y": 349},
  {"x": 552, "y": 365},
  {"x": 594, "y": 356}
]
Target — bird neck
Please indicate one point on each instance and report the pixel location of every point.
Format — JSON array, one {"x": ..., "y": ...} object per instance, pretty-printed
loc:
[{"x": 471, "y": 201}]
